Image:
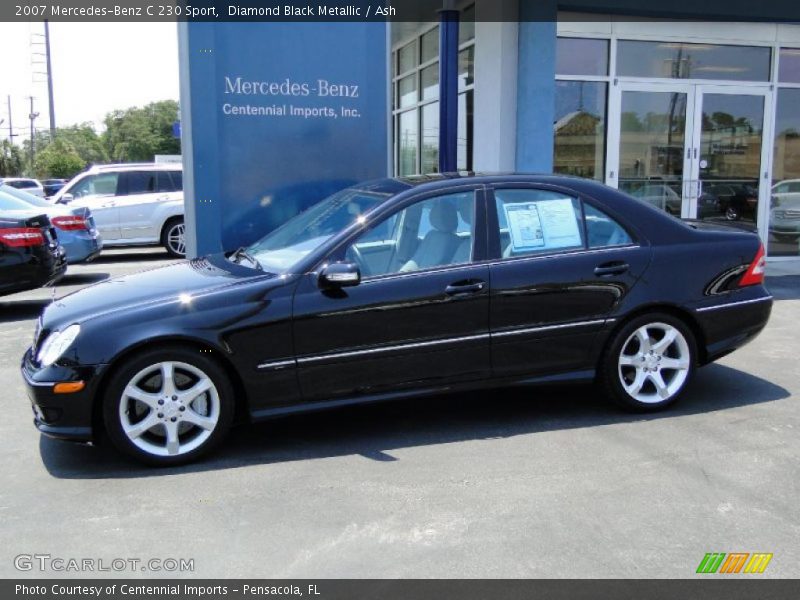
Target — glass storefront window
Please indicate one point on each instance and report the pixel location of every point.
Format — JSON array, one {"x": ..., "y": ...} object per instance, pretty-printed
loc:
[
  {"x": 407, "y": 142},
  {"x": 407, "y": 58},
  {"x": 466, "y": 67},
  {"x": 430, "y": 138},
  {"x": 678, "y": 60},
  {"x": 407, "y": 89},
  {"x": 579, "y": 130},
  {"x": 466, "y": 25},
  {"x": 789, "y": 65},
  {"x": 429, "y": 44},
  {"x": 581, "y": 56},
  {"x": 784, "y": 212},
  {"x": 429, "y": 81}
]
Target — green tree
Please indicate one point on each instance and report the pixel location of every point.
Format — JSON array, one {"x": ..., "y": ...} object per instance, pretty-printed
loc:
[
  {"x": 58, "y": 159},
  {"x": 138, "y": 134},
  {"x": 10, "y": 159}
]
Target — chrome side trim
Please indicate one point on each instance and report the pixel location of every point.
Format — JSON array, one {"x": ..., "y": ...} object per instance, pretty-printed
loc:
[
  {"x": 412, "y": 345},
  {"x": 278, "y": 364},
  {"x": 550, "y": 327},
  {"x": 731, "y": 304},
  {"x": 466, "y": 338}
]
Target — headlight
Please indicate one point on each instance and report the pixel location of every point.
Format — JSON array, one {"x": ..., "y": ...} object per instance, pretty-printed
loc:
[{"x": 56, "y": 344}]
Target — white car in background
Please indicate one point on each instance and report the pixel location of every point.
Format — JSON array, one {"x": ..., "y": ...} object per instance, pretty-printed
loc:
[
  {"x": 26, "y": 184},
  {"x": 133, "y": 204}
]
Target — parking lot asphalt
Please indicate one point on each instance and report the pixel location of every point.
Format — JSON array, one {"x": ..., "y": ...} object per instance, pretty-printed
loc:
[{"x": 552, "y": 482}]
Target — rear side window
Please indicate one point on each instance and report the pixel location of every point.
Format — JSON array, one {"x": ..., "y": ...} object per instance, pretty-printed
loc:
[
  {"x": 537, "y": 222},
  {"x": 140, "y": 182},
  {"x": 602, "y": 231},
  {"x": 169, "y": 181}
]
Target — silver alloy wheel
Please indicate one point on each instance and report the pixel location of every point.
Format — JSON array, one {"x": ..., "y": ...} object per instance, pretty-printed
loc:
[
  {"x": 176, "y": 238},
  {"x": 654, "y": 363},
  {"x": 169, "y": 408}
]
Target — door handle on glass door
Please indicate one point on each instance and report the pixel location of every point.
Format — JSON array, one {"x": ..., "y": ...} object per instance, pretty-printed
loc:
[{"x": 611, "y": 268}]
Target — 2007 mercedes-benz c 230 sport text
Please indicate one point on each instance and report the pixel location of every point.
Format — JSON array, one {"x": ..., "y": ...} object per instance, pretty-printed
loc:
[{"x": 393, "y": 288}]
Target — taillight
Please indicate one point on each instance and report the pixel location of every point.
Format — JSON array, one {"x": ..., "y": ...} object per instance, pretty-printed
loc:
[
  {"x": 22, "y": 236},
  {"x": 69, "y": 223},
  {"x": 755, "y": 272}
]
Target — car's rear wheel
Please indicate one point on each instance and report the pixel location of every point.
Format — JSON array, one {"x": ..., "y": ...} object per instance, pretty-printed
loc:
[
  {"x": 648, "y": 362},
  {"x": 173, "y": 237},
  {"x": 168, "y": 407}
]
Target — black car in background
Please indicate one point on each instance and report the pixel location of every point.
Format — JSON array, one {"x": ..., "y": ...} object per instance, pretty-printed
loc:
[
  {"x": 30, "y": 256},
  {"x": 393, "y": 288}
]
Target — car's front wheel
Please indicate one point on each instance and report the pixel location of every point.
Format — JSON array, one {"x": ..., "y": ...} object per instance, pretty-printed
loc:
[
  {"x": 168, "y": 407},
  {"x": 648, "y": 362},
  {"x": 173, "y": 237}
]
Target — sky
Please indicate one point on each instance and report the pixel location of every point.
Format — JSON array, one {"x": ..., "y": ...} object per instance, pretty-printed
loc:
[{"x": 97, "y": 68}]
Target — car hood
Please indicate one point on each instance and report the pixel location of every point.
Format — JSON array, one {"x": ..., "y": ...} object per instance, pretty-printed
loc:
[{"x": 156, "y": 286}]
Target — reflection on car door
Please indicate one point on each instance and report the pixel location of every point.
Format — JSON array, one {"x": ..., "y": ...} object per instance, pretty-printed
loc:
[
  {"x": 553, "y": 288},
  {"x": 420, "y": 319}
]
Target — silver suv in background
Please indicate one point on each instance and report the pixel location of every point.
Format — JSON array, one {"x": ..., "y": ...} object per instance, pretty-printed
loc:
[{"x": 133, "y": 204}]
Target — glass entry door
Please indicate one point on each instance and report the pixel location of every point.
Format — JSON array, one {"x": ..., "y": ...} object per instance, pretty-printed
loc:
[
  {"x": 654, "y": 133},
  {"x": 729, "y": 167},
  {"x": 693, "y": 150}
]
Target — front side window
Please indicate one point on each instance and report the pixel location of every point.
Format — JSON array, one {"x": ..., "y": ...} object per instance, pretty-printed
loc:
[
  {"x": 431, "y": 233},
  {"x": 537, "y": 222},
  {"x": 96, "y": 185},
  {"x": 280, "y": 250}
]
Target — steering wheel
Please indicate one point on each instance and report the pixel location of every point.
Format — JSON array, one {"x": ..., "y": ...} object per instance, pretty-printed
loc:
[{"x": 353, "y": 254}]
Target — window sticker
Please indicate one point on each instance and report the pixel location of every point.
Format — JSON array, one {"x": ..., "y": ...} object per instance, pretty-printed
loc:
[
  {"x": 544, "y": 224},
  {"x": 524, "y": 226}
]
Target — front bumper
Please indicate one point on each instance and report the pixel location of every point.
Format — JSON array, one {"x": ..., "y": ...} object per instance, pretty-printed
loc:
[{"x": 61, "y": 416}]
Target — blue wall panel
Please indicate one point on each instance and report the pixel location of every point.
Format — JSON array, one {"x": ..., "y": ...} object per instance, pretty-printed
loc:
[
  {"x": 276, "y": 116},
  {"x": 536, "y": 86}
]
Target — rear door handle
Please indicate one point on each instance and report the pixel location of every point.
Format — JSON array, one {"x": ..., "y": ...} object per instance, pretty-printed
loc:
[
  {"x": 457, "y": 289},
  {"x": 615, "y": 268}
]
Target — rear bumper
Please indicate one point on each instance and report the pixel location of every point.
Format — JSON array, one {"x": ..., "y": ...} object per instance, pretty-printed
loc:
[
  {"x": 732, "y": 322},
  {"x": 82, "y": 248},
  {"x": 61, "y": 416}
]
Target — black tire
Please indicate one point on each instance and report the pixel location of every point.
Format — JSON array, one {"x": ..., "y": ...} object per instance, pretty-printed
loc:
[
  {"x": 611, "y": 373},
  {"x": 221, "y": 397},
  {"x": 732, "y": 213},
  {"x": 171, "y": 227}
]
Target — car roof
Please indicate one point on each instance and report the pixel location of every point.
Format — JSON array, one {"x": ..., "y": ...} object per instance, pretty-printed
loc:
[
  {"x": 134, "y": 167},
  {"x": 395, "y": 185}
]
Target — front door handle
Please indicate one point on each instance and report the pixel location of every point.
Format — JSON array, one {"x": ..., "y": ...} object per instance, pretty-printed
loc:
[
  {"x": 458, "y": 289},
  {"x": 612, "y": 268}
]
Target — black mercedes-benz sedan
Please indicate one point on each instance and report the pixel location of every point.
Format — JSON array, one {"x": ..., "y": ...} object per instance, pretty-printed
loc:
[
  {"x": 30, "y": 256},
  {"x": 394, "y": 288}
]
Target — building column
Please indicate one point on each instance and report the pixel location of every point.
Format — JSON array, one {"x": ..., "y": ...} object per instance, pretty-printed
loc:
[
  {"x": 536, "y": 86},
  {"x": 495, "y": 92}
]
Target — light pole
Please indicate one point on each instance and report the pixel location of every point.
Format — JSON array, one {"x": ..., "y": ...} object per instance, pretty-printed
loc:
[{"x": 32, "y": 116}]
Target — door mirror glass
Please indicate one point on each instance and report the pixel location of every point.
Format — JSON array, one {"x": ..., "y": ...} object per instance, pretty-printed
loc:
[
  {"x": 66, "y": 199},
  {"x": 337, "y": 275}
]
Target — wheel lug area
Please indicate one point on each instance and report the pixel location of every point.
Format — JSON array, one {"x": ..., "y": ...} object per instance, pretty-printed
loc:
[
  {"x": 160, "y": 415},
  {"x": 173, "y": 419},
  {"x": 161, "y": 402},
  {"x": 174, "y": 398},
  {"x": 182, "y": 408}
]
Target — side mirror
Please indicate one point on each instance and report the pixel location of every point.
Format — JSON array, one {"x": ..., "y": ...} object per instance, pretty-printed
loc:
[
  {"x": 338, "y": 275},
  {"x": 66, "y": 199}
]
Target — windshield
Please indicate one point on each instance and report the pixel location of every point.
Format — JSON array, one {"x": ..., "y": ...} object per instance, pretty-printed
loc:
[
  {"x": 280, "y": 250},
  {"x": 24, "y": 196}
]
